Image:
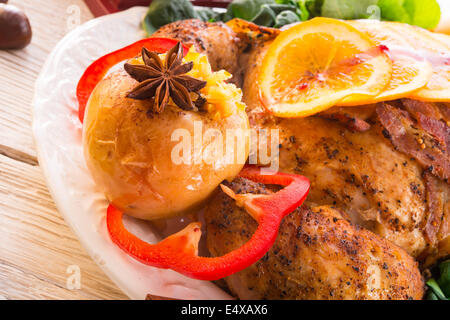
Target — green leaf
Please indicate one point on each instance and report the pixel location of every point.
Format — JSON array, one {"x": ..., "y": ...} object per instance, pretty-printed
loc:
[
  {"x": 286, "y": 17},
  {"x": 444, "y": 279},
  {"x": 301, "y": 7},
  {"x": 162, "y": 12},
  {"x": 278, "y": 8},
  {"x": 422, "y": 13},
  {"x": 347, "y": 9},
  {"x": 431, "y": 295},
  {"x": 225, "y": 16},
  {"x": 393, "y": 10},
  {"x": 314, "y": 7},
  {"x": 206, "y": 14},
  {"x": 265, "y": 17},
  {"x": 269, "y": 12},
  {"x": 247, "y": 9},
  {"x": 436, "y": 290}
]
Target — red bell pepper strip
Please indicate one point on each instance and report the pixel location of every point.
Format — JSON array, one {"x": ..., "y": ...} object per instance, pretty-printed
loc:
[
  {"x": 179, "y": 251},
  {"x": 97, "y": 70}
]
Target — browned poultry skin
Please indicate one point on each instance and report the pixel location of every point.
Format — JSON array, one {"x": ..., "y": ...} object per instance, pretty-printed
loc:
[
  {"x": 361, "y": 173},
  {"x": 217, "y": 40},
  {"x": 317, "y": 255}
]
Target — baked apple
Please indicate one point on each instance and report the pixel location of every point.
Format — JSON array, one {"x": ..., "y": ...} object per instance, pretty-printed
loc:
[{"x": 157, "y": 150}]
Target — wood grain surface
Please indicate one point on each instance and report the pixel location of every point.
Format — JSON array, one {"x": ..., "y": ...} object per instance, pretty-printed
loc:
[{"x": 39, "y": 255}]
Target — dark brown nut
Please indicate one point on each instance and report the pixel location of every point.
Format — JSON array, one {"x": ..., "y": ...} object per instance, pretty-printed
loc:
[{"x": 15, "y": 28}]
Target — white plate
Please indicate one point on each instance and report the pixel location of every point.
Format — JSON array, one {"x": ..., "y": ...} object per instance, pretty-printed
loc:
[{"x": 57, "y": 133}]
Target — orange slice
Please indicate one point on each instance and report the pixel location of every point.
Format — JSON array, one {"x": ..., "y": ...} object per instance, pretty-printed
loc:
[
  {"x": 437, "y": 52},
  {"x": 408, "y": 73},
  {"x": 314, "y": 65}
]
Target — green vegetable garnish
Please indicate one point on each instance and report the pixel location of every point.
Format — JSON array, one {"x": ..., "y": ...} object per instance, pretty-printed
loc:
[
  {"x": 265, "y": 17},
  {"x": 347, "y": 9},
  {"x": 207, "y": 14},
  {"x": 444, "y": 279},
  {"x": 162, "y": 12},
  {"x": 247, "y": 9},
  {"x": 278, "y": 13},
  {"x": 440, "y": 289},
  {"x": 436, "y": 290},
  {"x": 302, "y": 8},
  {"x": 286, "y": 17},
  {"x": 269, "y": 13},
  {"x": 306, "y": 8},
  {"x": 422, "y": 13}
]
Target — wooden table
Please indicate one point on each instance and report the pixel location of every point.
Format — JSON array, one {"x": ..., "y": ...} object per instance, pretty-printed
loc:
[{"x": 38, "y": 252}]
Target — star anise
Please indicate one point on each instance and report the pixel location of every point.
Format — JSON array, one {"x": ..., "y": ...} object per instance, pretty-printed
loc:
[{"x": 162, "y": 81}]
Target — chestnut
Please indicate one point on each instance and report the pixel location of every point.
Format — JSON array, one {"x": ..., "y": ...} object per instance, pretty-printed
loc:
[{"x": 15, "y": 28}]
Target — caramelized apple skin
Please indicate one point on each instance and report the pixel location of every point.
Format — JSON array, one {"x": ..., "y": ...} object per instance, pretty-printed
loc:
[{"x": 130, "y": 152}]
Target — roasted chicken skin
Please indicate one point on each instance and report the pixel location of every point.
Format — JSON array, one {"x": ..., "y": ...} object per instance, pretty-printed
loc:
[
  {"x": 217, "y": 40},
  {"x": 352, "y": 164},
  {"x": 318, "y": 254}
]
